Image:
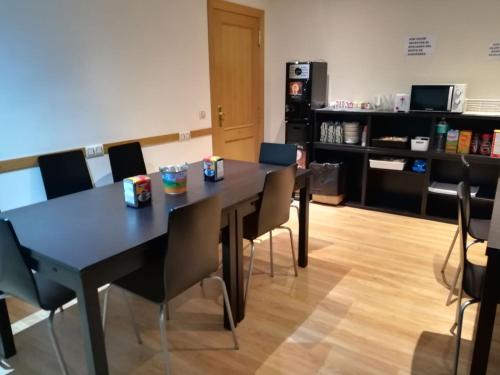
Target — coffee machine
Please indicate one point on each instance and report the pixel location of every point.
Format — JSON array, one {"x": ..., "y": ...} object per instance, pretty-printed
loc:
[{"x": 306, "y": 85}]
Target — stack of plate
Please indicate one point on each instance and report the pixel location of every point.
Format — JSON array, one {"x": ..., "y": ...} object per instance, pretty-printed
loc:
[{"x": 351, "y": 132}]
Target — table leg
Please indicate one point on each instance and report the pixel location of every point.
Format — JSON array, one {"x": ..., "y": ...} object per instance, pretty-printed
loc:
[
  {"x": 7, "y": 346},
  {"x": 93, "y": 337},
  {"x": 485, "y": 319},
  {"x": 240, "y": 271},
  {"x": 230, "y": 267},
  {"x": 304, "y": 224}
]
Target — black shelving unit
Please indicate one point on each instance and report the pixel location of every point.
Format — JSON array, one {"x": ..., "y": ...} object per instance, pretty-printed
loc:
[{"x": 406, "y": 192}]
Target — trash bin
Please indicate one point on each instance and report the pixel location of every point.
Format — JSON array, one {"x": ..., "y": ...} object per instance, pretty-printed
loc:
[{"x": 327, "y": 182}]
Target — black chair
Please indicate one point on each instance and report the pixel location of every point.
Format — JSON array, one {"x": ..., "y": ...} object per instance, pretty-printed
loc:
[
  {"x": 273, "y": 210},
  {"x": 478, "y": 229},
  {"x": 17, "y": 280},
  {"x": 472, "y": 274},
  {"x": 279, "y": 154},
  {"x": 64, "y": 173},
  {"x": 191, "y": 256},
  {"x": 126, "y": 161}
]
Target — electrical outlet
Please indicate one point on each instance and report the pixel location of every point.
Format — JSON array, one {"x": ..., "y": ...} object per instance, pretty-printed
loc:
[
  {"x": 99, "y": 150},
  {"x": 203, "y": 115},
  {"x": 94, "y": 151},
  {"x": 89, "y": 152},
  {"x": 184, "y": 136}
]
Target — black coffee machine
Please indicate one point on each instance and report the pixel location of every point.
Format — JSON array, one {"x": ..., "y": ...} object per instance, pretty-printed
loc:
[{"x": 306, "y": 85}]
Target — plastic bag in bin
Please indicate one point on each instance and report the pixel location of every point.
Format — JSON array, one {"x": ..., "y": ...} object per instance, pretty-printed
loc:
[{"x": 327, "y": 178}]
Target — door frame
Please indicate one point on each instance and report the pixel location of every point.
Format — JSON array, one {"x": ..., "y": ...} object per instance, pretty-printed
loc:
[{"x": 212, "y": 6}]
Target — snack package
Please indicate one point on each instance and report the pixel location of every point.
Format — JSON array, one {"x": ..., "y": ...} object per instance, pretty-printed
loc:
[
  {"x": 213, "y": 168},
  {"x": 137, "y": 191},
  {"x": 452, "y": 140},
  {"x": 464, "y": 140}
]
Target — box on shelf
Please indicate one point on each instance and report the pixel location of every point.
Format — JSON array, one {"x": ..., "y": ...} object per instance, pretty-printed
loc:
[
  {"x": 449, "y": 189},
  {"x": 420, "y": 144},
  {"x": 390, "y": 142},
  {"x": 464, "y": 140},
  {"x": 452, "y": 141},
  {"x": 388, "y": 163},
  {"x": 495, "y": 146}
]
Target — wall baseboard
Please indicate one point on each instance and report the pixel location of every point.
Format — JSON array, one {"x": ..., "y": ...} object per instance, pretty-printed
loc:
[{"x": 32, "y": 161}]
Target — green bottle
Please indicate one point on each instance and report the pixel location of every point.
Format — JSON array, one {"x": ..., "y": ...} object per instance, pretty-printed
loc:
[{"x": 440, "y": 139}]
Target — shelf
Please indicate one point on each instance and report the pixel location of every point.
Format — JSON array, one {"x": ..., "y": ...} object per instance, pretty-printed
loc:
[
  {"x": 405, "y": 192},
  {"x": 479, "y": 159},
  {"x": 396, "y": 203},
  {"x": 403, "y": 172},
  {"x": 352, "y": 203},
  {"x": 482, "y": 159},
  {"x": 411, "y": 114},
  {"x": 477, "y": 198},
  {"x": 397, "y": 152},
  {"x": 339, "y": 147}
]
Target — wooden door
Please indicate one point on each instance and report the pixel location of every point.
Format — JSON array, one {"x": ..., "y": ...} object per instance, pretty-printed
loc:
[{"x": 236, "y": 79}]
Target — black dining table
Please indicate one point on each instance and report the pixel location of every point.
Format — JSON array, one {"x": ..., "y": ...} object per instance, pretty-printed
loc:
[
  {"x": 490, "y": 296},
  {"x": 88, "y": 239}
]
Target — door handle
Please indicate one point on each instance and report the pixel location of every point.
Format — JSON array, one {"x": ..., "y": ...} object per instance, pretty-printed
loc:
[{"x": 220, "y": 114}]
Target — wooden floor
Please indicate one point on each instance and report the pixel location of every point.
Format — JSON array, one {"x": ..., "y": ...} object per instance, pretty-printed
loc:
[{"x": 370, "y": 302}]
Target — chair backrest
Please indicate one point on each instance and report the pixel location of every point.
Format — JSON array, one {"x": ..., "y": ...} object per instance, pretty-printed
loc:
[
  {"x": 192, "y": 244},
  {"x": 466, "y": 188},
  {"x": 64, "y": 173},
  {"x": 126, "y": 161},
  {"x": 278, "y": 153},
  {"x": 16, "y": 278},
  {"x": 274, "y": 206}
]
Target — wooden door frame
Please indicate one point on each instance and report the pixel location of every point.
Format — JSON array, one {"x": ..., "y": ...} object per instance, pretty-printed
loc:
[{"x": 213, "y": 5}]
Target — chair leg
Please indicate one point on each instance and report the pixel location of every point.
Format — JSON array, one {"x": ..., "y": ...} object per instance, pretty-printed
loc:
[
  {"x": 132, "y": 318},
  {"x": 461, "y": 311},
  {"x": 250, "y": 270},
  {"x": 453, "y": 285},
  {"x": 447, "y": 258},
  {"x": 457, "y": 314},
  {"x": 296, "y": 209},
  {"x": 228, "y": 309},
  {"x": 55, "y": 343},
  {"x": 163, "y": 337},
  {"x": 105, "y": 308},
  {"x": 293, "y": 249},
  {"x": 271, "y": 252}
]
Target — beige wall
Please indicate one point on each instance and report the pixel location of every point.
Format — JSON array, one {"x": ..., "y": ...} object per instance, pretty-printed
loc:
[
  {"x": 363, "y": 43},
  {"x": 74, "y": 73}
]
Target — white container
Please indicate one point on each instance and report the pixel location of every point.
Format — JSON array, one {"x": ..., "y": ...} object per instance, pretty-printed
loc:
[
  {"x": 420, "y": 144},
  {"x": 395, "y": 164}
]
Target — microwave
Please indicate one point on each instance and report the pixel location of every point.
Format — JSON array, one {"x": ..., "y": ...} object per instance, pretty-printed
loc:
[{"x": 438, "y": 98}]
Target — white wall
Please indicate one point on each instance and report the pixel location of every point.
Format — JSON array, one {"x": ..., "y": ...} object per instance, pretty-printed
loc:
[
  {"x": 362, "y": 41},
  {"x": 74, "y": 73},
  {"x": 95, "y": 71}
]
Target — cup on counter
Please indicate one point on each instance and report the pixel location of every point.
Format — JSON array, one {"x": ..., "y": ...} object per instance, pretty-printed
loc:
[{"x": 174, "y": 178}]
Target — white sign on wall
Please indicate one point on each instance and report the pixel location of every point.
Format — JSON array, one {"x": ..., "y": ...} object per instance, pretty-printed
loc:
[
  {"x": 494, "y": 50},
  {"x": 419, "y": 45}
]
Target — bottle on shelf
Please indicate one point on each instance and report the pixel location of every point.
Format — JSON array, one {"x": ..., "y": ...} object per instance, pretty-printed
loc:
[
  {"x": 485, "y": 148},
  {"x": 440, "y": 139},
  {"x": 474, "y": 146}
]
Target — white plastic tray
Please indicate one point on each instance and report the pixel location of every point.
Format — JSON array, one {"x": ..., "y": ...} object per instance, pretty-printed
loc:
[{"x": 397, "y": 165}]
